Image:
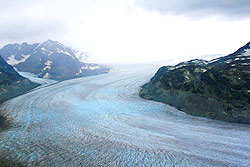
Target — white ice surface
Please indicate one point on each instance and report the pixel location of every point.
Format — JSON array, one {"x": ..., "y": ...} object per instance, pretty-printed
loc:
[
  {"x": 101, "y": 121},
  {"x": 35, "y": 79}
]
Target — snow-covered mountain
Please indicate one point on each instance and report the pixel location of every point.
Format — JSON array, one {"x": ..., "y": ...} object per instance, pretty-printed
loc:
[{"x": 49, "y": 59}]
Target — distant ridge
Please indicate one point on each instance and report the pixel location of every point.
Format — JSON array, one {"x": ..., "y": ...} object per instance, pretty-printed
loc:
[{"x": 50, "y": 60}]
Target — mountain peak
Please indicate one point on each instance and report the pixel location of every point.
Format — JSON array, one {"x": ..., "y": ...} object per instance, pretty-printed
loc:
[
  {"x": 49, "y": 47},
  {"x": 51, "y": 42},
  {"x": 242, "y": 50},
  {"x": 49, "y": 59},
  {"x": 248, "y": 43}
]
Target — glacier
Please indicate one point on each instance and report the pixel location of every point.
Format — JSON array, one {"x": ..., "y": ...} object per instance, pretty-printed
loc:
[{"x": 101, "y": 121}]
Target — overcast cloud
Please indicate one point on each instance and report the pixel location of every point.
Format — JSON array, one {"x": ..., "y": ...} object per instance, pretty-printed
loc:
[
  {"x": 31, "y": 29},
  {"x": 199, "y": 8},
  {"x": 130, "y": 30}
]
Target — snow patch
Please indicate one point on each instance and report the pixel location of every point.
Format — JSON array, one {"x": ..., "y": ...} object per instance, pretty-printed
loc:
[
  {"x": 203, "y": 70},
  {"x": 179, "y": 66},
  {"x": 87, "y": 67},
  {"x": 229, "y": 61},
  {"x": 79, "y": 72},
  {"x": 246, "y": 53},
  {"x": 48, "y": 65},
  {"x": 199, "y": 62},
  {"x": 214, "y": 60},
  {"x": 64, "y": 52},
  {"x": 46, "y": 76},
  {"x": 37, "y": 47},
  {"x": 43, "y": 49},
  {"x": 94, "y": 67},
  {"x": 12, "y": 61}
]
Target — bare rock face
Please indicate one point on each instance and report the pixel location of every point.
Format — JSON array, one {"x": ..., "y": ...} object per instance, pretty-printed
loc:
[{"x": 217, "y": 89}]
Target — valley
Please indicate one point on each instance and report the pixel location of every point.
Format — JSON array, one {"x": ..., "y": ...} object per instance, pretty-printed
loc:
[{"x": 101, "y": 121}]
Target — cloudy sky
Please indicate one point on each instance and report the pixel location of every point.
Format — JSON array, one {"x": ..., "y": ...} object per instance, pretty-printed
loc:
[{"x": 130, "y": 30}]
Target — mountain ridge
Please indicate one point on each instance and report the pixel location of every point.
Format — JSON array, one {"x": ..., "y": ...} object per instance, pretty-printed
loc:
[
  {"x": 11, "y": 83},
  {"x": 217, "y": 89},
  {"x": 50, "y": 60}
]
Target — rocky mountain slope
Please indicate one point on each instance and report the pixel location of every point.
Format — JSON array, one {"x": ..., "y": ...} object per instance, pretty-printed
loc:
[
  {"x": 217, "y": 89},
  {"x": 11, "y": 83},
  {"x": 50, "y": 60}
]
